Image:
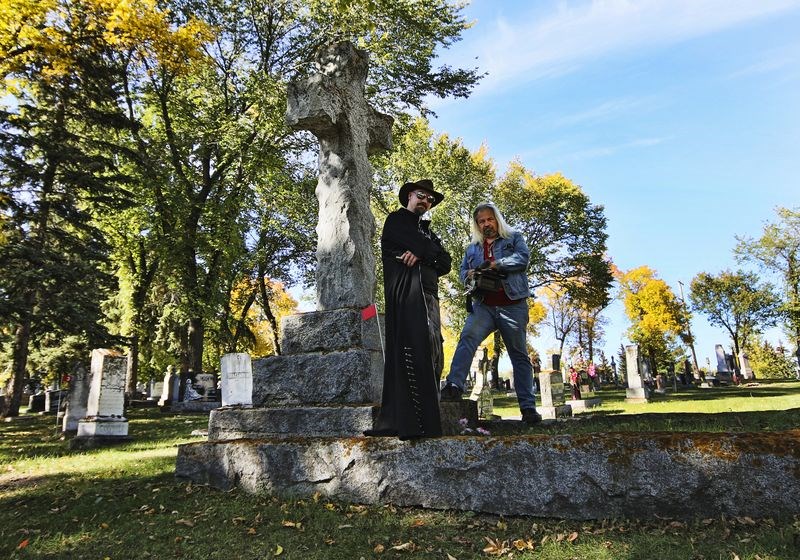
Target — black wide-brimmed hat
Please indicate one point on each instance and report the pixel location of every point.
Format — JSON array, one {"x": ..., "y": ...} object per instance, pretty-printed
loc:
[{"x": 422, "y": 184}]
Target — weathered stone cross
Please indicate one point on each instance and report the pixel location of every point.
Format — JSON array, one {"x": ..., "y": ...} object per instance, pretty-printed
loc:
[{"x": 331, "y": 105}]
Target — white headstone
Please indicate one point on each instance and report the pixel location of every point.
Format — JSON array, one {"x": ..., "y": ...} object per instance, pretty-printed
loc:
[
  {"x": 236, "y": 379},
  {"x": 106, "y": 404},
  {"x": 744, "y": 362},
  {"x": 107, "y": 390}
]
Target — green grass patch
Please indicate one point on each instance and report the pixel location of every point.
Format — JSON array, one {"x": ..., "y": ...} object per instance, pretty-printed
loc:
[{"x": 123, "y": 502}]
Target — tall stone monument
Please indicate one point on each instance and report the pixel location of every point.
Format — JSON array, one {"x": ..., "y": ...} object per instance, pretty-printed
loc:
[
  {"x": 637, "y": 391},
  {"x": 331, "y": 105},
  {"x": 328, "y": 378},
  {"x": 104, "y": 421}
]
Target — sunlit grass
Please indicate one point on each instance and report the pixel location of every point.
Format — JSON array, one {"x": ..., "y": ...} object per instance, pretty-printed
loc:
[{"x": 123, "y": 502}]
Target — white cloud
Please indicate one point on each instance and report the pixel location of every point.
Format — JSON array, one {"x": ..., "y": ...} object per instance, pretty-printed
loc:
[
  {"x": 609, "y": 110},
  {"x": 575, "y": 33}
]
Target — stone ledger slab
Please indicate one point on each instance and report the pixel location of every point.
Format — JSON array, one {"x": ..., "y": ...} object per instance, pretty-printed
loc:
[
  {"x": 597, "y": 476},
  {"x": 329, "y": 331}
]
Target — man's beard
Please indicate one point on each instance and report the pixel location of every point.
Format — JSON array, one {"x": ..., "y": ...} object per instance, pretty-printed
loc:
[
  {"x": 420, "y": 209},
  {"x": 489, "y": 232}
]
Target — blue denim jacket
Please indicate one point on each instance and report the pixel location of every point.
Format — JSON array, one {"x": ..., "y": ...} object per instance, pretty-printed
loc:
[{"x": 511, "y": 256}]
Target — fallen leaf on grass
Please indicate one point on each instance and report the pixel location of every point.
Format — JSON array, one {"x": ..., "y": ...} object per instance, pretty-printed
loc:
[
  {"x": 23, "y": 544},
  {"x": 329, "y": 541},
  {"x": 104, "y": 525},
  {"x": 294, "y": 524},
  {"x": 572, "y": 537},
  {"x": 237, "y": 520},
  {"x": 520, "y": 544},
  {"x": 418, "y": 523},
  {"x": 184, "y": 522},
  {"x": 278, "y": 550},
  {"x": 408, "y": 546},
  {"x": 502, "y": 525},
  {"x": 496, "y": 547},
  {"x": 344, "y": 526},
  {"x": 451, "y": 557},
  {"x": 251, "y": 531},
  {"x": 378, "y": 548}
]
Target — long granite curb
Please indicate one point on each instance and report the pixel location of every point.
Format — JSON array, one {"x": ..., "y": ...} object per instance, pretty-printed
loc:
[{"x": 679, "y": 475}]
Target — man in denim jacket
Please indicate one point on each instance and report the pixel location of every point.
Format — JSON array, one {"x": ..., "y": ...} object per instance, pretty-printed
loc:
[{"x": 497, "y": 247}]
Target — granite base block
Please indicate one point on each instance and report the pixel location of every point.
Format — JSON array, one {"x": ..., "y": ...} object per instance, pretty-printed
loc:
[
  {"x": 580, "y": 405},
  {"x": 341, "y": 421},
  {"x": 552, "y": 412},
  {"x": 598, "y": 476},
  {"x": 453, "y": 412},
  {"x": 350, "y": 377}
]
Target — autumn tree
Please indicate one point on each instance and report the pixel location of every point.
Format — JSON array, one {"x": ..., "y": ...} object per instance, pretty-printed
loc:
[
  {"x": 737, "y": 302},
  {"x": 61, "y": 88},
  {"x": 656, "y": 314}
]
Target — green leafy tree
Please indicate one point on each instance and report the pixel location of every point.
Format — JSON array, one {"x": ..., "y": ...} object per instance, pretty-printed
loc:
[
  {"x": 737, "y": 302},
  {"x": 565, "y": 232},
  {"x": 769, "y": 362},
  {"x": 54, "y": 171},
  {"x": 778, "y": 251}
]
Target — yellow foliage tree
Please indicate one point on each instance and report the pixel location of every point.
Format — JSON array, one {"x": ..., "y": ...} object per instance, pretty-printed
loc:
[{"x": 657, "y": 316}]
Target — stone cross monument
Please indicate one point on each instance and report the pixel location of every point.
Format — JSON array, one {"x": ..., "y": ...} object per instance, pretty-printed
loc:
[{"x": 331, "y": 105}]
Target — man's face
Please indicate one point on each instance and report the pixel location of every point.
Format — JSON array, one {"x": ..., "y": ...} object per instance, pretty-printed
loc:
[
  {"x": 487, "y": 223},
  {"x": 419, "y": 201}
]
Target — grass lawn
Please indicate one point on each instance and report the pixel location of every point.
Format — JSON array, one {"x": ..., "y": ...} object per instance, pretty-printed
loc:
[{"x": 124, "y": 503}]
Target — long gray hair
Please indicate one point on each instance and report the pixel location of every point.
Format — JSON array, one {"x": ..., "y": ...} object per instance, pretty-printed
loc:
[{"x": 503, "y": 229}]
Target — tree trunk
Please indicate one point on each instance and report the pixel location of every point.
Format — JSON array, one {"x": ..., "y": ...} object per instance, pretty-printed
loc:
[
  {"x": 22, "y": 337},
  {"x": 262, "y": 284},
  {"x": 133, "y": 368},
  {"x": 196, "y": 336}
]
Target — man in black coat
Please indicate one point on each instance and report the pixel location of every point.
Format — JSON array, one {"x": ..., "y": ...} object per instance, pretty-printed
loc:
[{"x": 413, "y": 260}]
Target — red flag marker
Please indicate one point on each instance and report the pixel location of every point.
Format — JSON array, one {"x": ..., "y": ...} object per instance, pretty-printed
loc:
[{"x": 369, "y": 312}]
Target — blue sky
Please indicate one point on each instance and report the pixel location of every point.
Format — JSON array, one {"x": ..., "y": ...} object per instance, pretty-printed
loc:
[{"x": 680, "y": 117}]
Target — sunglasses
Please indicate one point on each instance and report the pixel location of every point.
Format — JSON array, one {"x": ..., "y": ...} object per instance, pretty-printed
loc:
[{"x": 425, "y": 196}]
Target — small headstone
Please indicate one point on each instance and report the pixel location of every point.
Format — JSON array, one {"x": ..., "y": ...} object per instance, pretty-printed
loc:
[
  {"x": 36, "y": 402},
  {"x": 236, "y": 379},
  {"x": 206, "y": 385},
  {"x": 54, "y": 399},
  {"x": 170, "y": 387},
  {"x": 551, "y": 390},
  {"x": 156, "y": 389}
]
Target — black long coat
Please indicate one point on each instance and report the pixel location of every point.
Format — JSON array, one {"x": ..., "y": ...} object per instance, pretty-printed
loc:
[{"x": 410, "y": 400}]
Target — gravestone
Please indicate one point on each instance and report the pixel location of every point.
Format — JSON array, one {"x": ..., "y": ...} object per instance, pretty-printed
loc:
[
  {"x": 724, "y": 370},
  {"x": 156, "y": 390},
  {"x": 54, "y": 400},
  {"x": 104, "y": 421},
  {"x": 551, "y": 390},
  {"x": 77, "y": 399},
  {"x": 171, "y": 388},
  {"x": 328, "y": 379},
  {"x": 637, "y": 391},
  {"x": 331, "y": 105},
  {"x": 236, "y": 379},
  {"x": 37, "y": 402},
  {"x": 206, "y": 385},
  {"x": 744, "y": 362}
]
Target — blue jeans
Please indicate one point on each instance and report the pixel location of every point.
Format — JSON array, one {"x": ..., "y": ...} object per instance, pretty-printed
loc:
[{"x": 512, "y": 322}]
